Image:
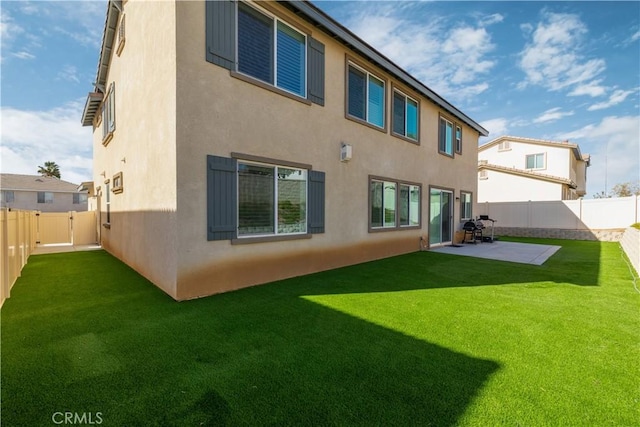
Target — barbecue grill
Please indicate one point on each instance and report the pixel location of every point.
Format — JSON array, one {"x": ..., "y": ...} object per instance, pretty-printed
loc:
[{"x": 473, "y": 230}]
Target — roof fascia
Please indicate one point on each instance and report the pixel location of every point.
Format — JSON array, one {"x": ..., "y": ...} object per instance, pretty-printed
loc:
[{"x": 527, "y": 174}]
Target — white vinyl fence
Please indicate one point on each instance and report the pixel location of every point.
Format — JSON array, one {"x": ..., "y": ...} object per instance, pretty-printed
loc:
[{"x": 590, "y": 216}]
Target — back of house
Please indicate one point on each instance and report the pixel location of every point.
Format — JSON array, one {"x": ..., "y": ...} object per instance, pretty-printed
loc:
[{"x": 237, "y": 143}]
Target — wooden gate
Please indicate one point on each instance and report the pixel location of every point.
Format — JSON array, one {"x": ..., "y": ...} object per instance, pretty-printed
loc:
[
  {"x": 77, "y": 228},
  {"x": 54, "y": 227}
]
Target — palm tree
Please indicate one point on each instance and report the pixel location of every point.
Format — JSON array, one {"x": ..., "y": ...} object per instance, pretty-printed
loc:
[{"x": 49, "y": 169}]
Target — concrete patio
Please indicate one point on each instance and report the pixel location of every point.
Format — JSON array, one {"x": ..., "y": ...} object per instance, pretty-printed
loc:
[{"x": 525, "y": 253}]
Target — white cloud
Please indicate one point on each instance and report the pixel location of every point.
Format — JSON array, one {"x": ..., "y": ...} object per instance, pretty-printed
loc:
[
  {"x": 451, "y": 60},
  {"x": 23, "y": 55},
  {"x": 634, "y": 37},
  {"x": 69, "y": 73},
  {"x": 553, "y": 60},
  {"x": 592, "y": 88},
  {"x": 8, "y": 28},
  {"x": 552, "y": 115},
  {"x": 487, "y": 20},
  {"x": 29, "y": 138},
  {"x": 496, "y": 127},
  {"x": 614, "y": 145},
  {"x": 616, "y": 98}
]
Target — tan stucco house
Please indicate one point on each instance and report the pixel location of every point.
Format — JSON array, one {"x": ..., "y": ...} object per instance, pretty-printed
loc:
[
  {"x": 514, "y": 169},
  {"x": 40, "y": 193},
  {"x": 237, "y": 143}
]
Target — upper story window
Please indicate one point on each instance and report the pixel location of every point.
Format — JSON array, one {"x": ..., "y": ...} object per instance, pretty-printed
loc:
[
  {"x": 405, "y": 116},
  {"x": 535, "y": 161},
  {"x": 365, "y": 96},
  {"x": 458, "y": 139},
  {"x": 109, "y": 114},
  {"x": 45, "y": 197},
  {"x": 445, "y": 138},
  {"x": 483, "y": 174},
  {"x": 271, "y": 51}
]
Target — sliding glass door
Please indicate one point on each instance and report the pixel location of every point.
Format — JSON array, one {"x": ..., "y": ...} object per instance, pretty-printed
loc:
[{"x": 440, "y": 216}]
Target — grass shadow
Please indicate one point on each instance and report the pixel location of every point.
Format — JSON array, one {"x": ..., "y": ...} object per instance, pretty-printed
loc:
[{"x": 84, "y": 333}]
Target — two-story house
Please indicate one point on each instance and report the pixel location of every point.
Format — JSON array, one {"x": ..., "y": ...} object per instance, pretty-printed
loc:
[
  {"x": 40, "y": 193},
  {"x": 513, "y": 169},
  {"x": 240, "y": 142}
]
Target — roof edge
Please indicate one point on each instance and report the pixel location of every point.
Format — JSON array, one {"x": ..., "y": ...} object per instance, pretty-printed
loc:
[{"x": 527, "y": 174}]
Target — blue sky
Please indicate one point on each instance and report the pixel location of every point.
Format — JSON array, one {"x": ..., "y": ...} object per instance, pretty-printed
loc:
[{"x": 551, "y": 70}]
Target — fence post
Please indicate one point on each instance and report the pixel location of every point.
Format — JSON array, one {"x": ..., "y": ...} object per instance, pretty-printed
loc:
[{"x": 4, "y": 251}]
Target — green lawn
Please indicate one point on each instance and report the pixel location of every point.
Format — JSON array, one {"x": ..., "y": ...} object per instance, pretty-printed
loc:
[{"x": 419, "y": 339}]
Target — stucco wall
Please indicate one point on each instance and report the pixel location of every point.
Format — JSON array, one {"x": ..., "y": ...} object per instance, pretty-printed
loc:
[
  {"x": 218, "y": 114},
  {"x": 558, "y": 162},
  {"x": 505, "y": 187},
  {"x": 28, "y": 200},
  {"x": 143, "y": 216}
]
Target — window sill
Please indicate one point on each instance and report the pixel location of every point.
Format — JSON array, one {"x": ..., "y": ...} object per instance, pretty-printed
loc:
[
  {"x": 406, "y": 138},
  {"x": 269, "y": 87},
  {"x": 401, "y": 228},
  {"x": 264, "y": 239},
  {"x": 117, "y": 190},
  {"x": 444, "y": 153},
  {"x": 107, "y": 225},
  {"x": 107, "y": 139},
  {"x": 365, "y": 123}
]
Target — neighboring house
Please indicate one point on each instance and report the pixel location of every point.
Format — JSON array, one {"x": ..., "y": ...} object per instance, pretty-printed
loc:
[
  {"x": 39, "y": 193},
  {"x": 512, "y": 168},
  {"x": 237, "y": 143}
]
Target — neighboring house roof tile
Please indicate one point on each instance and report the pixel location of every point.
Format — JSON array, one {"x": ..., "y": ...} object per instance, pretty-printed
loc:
[
  {"x": 312, "y": 14},
  {"x": 16, "y": 182},
  {"x": 526, "y": 173},
  {"x": 575, "y": 148}
]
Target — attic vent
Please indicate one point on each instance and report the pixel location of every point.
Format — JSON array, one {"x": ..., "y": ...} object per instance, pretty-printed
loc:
[
  {"x": 504, "y": 146},
  {"x": 121, "y": 33}
]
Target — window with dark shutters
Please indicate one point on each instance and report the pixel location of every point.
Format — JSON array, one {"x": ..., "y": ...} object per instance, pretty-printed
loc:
[{"x": 267, "y": 49}]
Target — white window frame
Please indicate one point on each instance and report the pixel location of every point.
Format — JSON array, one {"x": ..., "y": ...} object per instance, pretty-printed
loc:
[
  {"x": 47, "y": 198},
  {"x": 406, "y": 97},
  {"x": 275, "y": 205},
  {"x": 274, "y": 59},
  {"x": 535, "y": 157},
  {"x": 109, "y": 114},
  {"x": 397, "y": 184},
  {"x": 453, "y": 137},
  {"x": 463, "y": 204},
  {"x": 457, "y": 141},
  {"x": 368, "y": 74}
]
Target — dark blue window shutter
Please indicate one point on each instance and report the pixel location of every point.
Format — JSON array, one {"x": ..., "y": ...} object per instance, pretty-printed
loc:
[
  {"x": 221, "y": 32},
  {"x": 357, "y": 93},
  {"x": 398, "y": 114},
  {"x": 316, "y": 202},
  {"x": 222, "y": 195},
  {"x": 255, "y": 44},
  {"x": 315, "y": 69}
]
